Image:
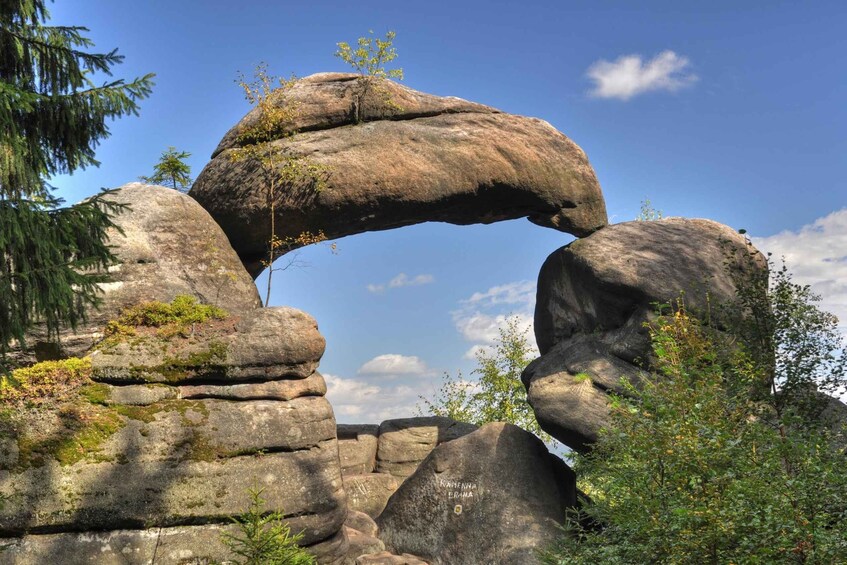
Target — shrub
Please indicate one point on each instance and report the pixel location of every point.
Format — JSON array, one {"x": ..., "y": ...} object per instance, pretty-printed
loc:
[
  {"x": 264, "y": 538},
  {"x": 695, "y": 469}
]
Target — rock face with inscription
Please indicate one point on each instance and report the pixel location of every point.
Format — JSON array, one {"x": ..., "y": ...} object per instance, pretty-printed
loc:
[
  {"x": 398, "y": 157},
  {"x": 594, "y": 297},
  {"x": 375, "y": 460},
  {"x": 492, "y": 496}
]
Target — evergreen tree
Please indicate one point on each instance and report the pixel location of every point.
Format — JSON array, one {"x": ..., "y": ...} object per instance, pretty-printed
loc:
[
  {"x": 52, "y": 117},
  {"x": 171, "y": 170}
]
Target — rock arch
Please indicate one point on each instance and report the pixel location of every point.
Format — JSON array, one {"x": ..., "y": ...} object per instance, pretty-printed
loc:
[{"x": 412, "y": 158}]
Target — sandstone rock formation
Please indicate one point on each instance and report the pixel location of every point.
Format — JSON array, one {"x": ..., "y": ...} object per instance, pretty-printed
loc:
[
  {"x": 169, "y": 246},
  {"x": 409, "y": 158},
  {"x": 594, "y": 297},
  {"x": 185, "y": 435},
  {"x": 405, "y": 442},
  {"x": 492, "y": 496},
  {"x": 375, "y": 460}
]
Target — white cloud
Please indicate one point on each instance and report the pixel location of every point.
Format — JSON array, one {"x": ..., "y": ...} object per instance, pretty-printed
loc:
[
  {"x": 629, "y": 75},
  {"x": 816, "y": 255},
  {"x": 358, "y": 401},
  {"x": 481, "y": 316},
  {"x": 394, "y": 364},
  {"x": 520, "y": 292},
  {"x": 402, "y": 280}
]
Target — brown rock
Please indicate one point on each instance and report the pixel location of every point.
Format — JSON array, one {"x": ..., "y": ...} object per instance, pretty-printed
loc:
[
  {"x": 267, "y": 344},
  {"x": 388, "y": 558},
  {"x": 362, "y": 544},
  {"x": 362, "y": 522},
  {"x": 413, "y": 158}
]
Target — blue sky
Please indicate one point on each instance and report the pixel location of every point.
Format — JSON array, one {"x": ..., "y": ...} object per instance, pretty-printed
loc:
[{"x": 727, "y": 110}]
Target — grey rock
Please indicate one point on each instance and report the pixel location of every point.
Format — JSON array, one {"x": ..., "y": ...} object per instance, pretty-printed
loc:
[
  {"x": 140, "y": 395},
  {"x": 595, "y": 297},
  {"x": 267, "y": 344},
  {"x": 613, "y": 278},
  {"x": 413, "y": 158},
  {"x": 405, "y": 442},
  {"x": 569, "y": 387},
  {"x": 369, "y": 493},
  {"x": 109, "y": 495},
  {"x": 169, "y": 246},
  {"x": 357, "y": 445},
  {"x": 179, "y": 545},
  {"x": 313, "y": 385},
  {"x": 162, "y": 546},
  {"x": 493, "y": 496},
  {"x": 187, "y": 460}
]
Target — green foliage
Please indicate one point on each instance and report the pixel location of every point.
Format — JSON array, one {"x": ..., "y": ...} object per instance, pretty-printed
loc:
[
  {"x": 174, "y": 318},
  {"x": 282, "y": 171},
  {"x": 369, "y": 59},
  {"x": 498, "y": 395},
  {"x": 695, "y": 469},
  {"x": 171, "y": 170},
  {"x": 648, "y": 213},
  {"x": 45, "y": 380},
  {"x": 371, "y": 55},
  {"x": 52, "y": 117},
  {"x": 264, "y": 538}
]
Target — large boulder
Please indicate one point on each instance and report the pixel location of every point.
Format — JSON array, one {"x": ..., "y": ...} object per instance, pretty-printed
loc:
[
  {"x": 398, "y": 157},
  {"x": 169, "y": 246},
  {"x": 595, "y": 296},
  {"x": 493, "y": 496},
  {"x": 169, "y": 432}
]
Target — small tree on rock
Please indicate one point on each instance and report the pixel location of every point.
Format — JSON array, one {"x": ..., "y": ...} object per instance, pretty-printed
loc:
[
  {"x": 282, "y": 171},
  {"x": 369, "y": 59},
  {"x": 171, "y": 170}
]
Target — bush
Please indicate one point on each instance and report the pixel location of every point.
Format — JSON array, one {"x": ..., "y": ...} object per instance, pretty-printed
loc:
[{"x": 695, "y": 467}]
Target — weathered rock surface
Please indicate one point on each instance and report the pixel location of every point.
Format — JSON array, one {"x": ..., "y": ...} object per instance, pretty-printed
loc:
[
  {"x": 412, "y": 158},
  {"x": 594, "y": 297},
  {"x": 159, "y": 546},
  {"x": 173, "y": 432},
  {"x": 405, "y": 442},
  {"x": 361, "y": 522},
  {"x": 493, "y": 496},
  {"x": 388, "y": 558},
  {"x": 369, "y": 492},
  {"x": 169, "y": 246},
  {"x": 357, "y": 445},
  {"x": 267, "y": 344}
]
